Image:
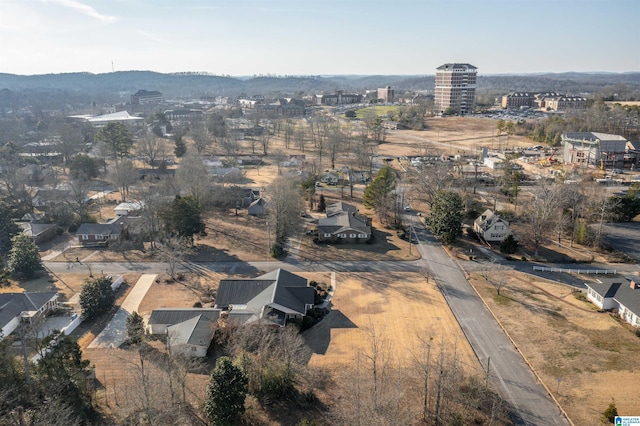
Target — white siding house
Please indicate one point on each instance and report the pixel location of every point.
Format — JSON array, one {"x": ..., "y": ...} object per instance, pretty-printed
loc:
[{"x": 491, "y": 227}]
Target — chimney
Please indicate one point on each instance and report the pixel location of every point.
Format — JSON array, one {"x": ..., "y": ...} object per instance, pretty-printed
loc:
[{"x": 633, "y": 285}]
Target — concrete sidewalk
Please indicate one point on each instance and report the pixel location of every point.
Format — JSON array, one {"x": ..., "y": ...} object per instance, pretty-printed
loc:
[{"x": 115, "y": 333}]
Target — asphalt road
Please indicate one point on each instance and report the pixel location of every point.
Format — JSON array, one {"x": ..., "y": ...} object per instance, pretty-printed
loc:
[{"x": 528, "y": 400}]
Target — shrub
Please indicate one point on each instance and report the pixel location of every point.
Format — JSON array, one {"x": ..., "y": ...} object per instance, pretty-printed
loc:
[
  {"x": 197, "y": 304},
  {"x": 609, "y": 415},
  {"x": 73, "y": 228},
  {"x": 277, "y": 250}
]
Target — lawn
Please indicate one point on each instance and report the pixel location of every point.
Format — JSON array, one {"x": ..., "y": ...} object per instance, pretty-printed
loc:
[
  {"x": 378, "y": 110},
  {"x": 594, "y": 355}
]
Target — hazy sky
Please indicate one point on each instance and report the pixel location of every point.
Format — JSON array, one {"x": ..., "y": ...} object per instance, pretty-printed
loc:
[{"x": 303, "y": 37}]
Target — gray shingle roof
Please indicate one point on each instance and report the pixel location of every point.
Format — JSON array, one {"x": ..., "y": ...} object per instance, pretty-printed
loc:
[
  {"x": 620, "y": 290},
  {"x": 339, "y": 208},
  {"x": 99, "y": 229},
  {"x": 195, "y": 331},
  {"x": 173, "y": 316},
  {"x": 13, "y": 304},
  {"x": 342, "y": 223},
  {"x": 278, "y": 287}
]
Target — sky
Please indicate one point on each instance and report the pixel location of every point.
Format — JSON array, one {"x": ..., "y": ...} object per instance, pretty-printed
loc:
[{"x": 318, "y": 37}]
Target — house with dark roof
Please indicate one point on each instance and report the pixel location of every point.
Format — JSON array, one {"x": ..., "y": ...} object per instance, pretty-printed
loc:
[
  {"x": 161, "y": 319},
  {"x": 602, "y": 150},
  {"x": 24, "y": 307},
  {"x": 191, "y": 337},
  {"x": 344, "y": 224},
  {"x": 189, "y": 331},
  {"x": 491, "y": 227},
  {"x": 38, "y": 232},
  {"x": 278, "y": 296},
  {"x": 619, "y": 295},
  {"x": 99, "y": 234}
]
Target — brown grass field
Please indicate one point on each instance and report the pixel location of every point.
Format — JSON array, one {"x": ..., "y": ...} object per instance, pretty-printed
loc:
[
  {"x": 596, "y": 356},
  {"x": 401, "y": 308}
]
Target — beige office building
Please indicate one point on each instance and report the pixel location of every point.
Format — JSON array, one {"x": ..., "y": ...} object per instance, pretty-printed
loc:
[{"x": 456, "y": 87}]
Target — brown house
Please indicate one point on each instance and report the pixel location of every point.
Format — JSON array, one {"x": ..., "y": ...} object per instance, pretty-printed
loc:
[
  {"x": 344, "y": 224},
  {"x": 99, "y": 234}
]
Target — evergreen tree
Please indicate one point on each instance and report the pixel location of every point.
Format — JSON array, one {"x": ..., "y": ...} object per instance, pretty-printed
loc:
[
  {"x": 227, "y": 390},
  {"x": 96, "y": 297},
  {"x": 117, "y": 140},
  {"x": 322, "y": 204},
  {"x": 184, "y": 217},
  {"x": 509, "y": 245},
  {"x": 180, "y": 148},
  {"x": 445, "y": 219},
  {"x": 135, "y": 328},
  {"x": 24, "y": 258},
  {"x": 377, "y": 194}
]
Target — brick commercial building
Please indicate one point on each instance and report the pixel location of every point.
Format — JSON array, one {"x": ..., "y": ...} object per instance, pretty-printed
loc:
[{"x": 456, "y": 87}]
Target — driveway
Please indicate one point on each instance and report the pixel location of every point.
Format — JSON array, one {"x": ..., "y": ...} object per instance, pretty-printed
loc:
[{"x": 115, "y": 333}]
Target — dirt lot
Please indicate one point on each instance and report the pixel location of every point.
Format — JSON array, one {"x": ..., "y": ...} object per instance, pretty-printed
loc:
[
  {"x": 596, "y": 357},
  {"x": 400, "y": 307},
  {"x": 450, "y": 135}
]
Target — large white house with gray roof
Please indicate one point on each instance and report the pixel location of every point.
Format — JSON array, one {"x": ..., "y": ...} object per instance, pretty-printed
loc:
[
  {"x": 617, "y": 294},
  {"x": 277, "y": 296}
]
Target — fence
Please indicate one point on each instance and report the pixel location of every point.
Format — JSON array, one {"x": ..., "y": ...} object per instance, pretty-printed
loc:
[
  {"x": 116, "y": 284},
  {"x": 577, "y": 271}
]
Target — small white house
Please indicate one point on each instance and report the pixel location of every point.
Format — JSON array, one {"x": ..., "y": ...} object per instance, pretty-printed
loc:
[
  {"x": 191, "y": 337},
  {"x": 125, "y": 209},
  {"x": 330, "y": 178},
  {"x": 491, "y": 227}
]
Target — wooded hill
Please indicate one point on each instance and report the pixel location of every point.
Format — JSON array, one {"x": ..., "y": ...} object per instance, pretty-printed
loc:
[{"x": 117, "y": 86}]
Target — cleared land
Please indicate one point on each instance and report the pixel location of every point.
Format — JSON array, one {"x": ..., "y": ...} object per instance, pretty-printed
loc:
[
  {"x": 401, "y": 308},
  {"x": 595, "y": 356}
]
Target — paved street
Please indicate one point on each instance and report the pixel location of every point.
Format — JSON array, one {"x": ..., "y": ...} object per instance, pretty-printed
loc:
[{"x": 530, "y": 404}]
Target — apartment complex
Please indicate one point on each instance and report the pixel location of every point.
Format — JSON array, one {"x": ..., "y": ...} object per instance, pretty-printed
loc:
[
  {"x": 547, "y": 101},
  {"x": 456, "y": 87},
  {"x": 517, "y": 100}
]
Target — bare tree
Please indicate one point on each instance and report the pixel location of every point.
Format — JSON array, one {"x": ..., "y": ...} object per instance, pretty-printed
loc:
[
  {"x": 192, "y": 178},
  {"x": 150, "y": 147},
  {"x": 284, "y": 204},
  {"x": 172, "y": 253},
  {"x": 433, "y": 179},
  {"x": 201, "y": 139},
  {"x": 123, "y": 175},
  {"x": 541, "y": 209},
  {"x": 265, "y": 139},
  {"x": 278, "y": 157}
]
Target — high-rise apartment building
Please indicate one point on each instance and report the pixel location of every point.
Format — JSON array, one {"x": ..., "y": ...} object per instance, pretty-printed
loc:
[{"x": 456, "y": 87}]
